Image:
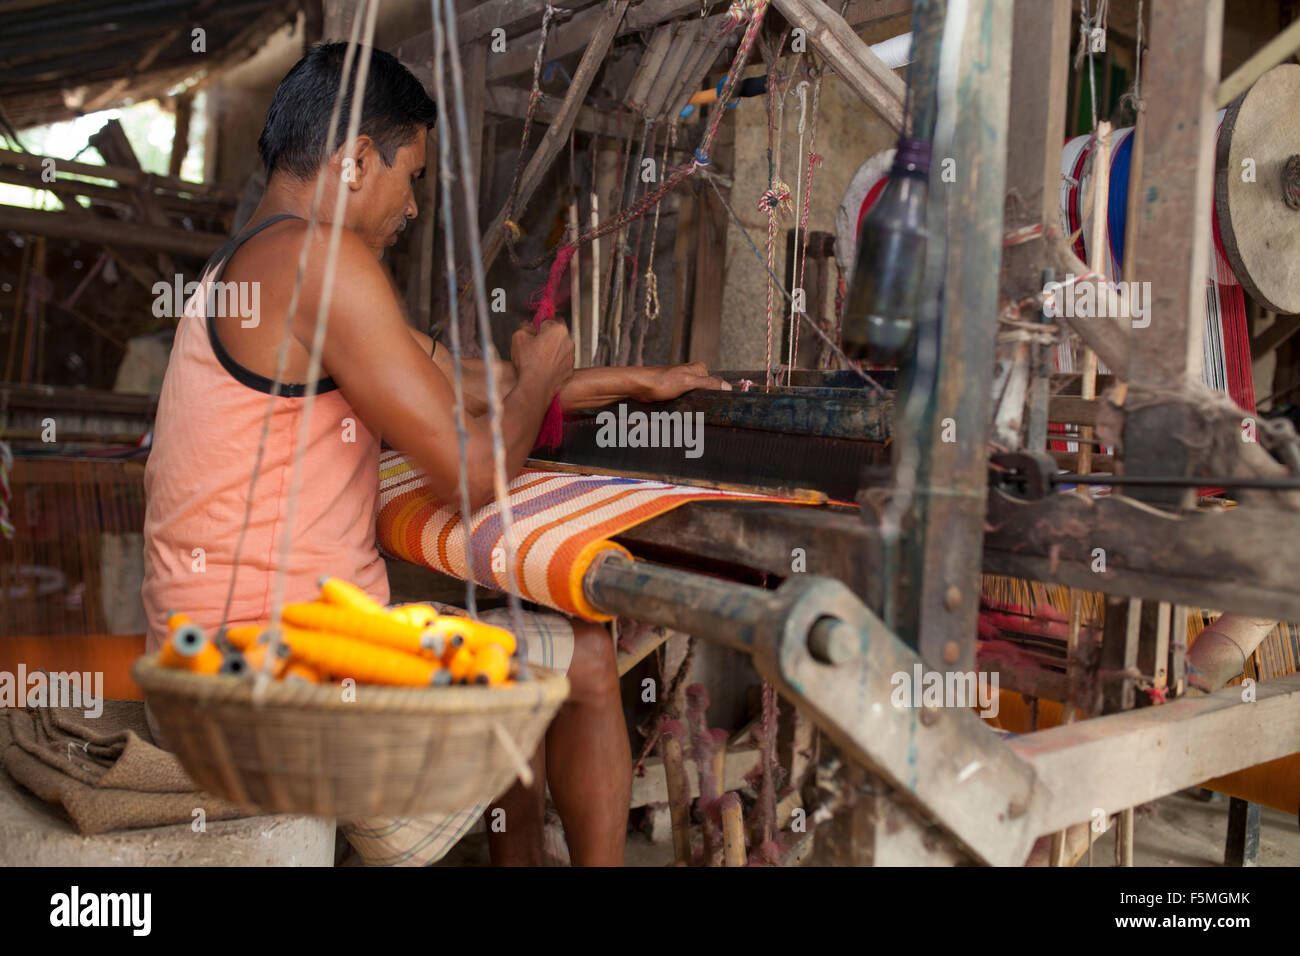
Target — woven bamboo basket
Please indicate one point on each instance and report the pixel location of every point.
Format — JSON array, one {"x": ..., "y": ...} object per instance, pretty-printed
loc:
[{"x": 393, "y": 751}]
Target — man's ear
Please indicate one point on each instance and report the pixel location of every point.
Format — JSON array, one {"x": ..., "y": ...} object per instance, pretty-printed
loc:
[{"x": 355, "y": 164}]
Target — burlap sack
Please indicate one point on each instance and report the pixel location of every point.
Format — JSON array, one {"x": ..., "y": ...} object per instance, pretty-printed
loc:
[{"x": 105, "y": 772}]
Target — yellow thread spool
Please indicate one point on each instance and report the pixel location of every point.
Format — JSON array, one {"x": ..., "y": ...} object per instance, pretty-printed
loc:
[
  {"x": 460, "y": 664},
  {"x": 188, "y": 647},
  {"x": 421, "y": 615},
  {"x": 342, "y": 656},
  {"x": 491, "y": 666},
  {"x": 340, "y": 593},
  {"x": 472, "y": 634},
  {"x": 374, "y": 628}
]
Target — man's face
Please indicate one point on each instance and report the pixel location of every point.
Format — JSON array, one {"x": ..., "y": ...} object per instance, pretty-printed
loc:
[{"x": 383, "y": 197}]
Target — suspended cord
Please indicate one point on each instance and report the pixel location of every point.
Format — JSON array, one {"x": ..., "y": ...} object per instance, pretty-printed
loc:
[
  {"x": 469, "y": 189},
  {"x": 513, "y": 231},
  {"x": 848, "y": 362},
  {"x": 449, "y": 254},
  {"x": 318, "y": 342},
  {"x": 282, "y": 358}
]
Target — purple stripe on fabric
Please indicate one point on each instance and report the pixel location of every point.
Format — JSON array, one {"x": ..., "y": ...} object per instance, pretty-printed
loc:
[{"x": 486, "y": 535}]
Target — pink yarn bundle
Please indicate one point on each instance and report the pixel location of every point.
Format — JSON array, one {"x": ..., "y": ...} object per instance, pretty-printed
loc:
[{"x": 544, "y": 301}]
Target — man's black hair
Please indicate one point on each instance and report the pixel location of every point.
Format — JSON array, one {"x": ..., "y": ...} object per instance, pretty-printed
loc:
[{"x": 396, "y": 108}]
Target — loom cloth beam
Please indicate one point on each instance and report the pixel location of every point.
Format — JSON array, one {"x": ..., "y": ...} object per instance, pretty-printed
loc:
[{"x": 835, "y": 660}]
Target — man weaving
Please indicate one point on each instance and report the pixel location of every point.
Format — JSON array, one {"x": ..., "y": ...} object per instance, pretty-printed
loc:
[{"x": 384, "y": 380}]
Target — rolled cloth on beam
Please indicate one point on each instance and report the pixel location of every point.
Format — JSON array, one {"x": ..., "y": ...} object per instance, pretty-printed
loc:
[{"x": 562, "y": 523}]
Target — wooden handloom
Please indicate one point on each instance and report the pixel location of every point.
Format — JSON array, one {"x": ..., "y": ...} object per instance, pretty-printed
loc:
[{"x": 1161, "y": 552}]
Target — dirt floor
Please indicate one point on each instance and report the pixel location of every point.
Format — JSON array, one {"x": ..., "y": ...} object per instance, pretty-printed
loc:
[
  {"x": 1179, "y": 830},
  {"x": 1182, "y": 830}
]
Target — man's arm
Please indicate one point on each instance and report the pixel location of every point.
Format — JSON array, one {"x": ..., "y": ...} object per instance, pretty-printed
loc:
[
  {"x": 400, "y": 394},
  {"x": 588, "y": 387}
]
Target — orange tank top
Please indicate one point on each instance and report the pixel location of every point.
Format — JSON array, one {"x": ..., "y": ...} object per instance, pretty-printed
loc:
[{"x": 209, "y": 420}]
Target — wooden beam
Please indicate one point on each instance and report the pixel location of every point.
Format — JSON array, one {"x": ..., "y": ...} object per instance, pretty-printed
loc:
[
  {"x": 1283, "y": 327},
  {"x": 1270, "y": 55},
  {"x": 62, "y": 225},
  {"x": 577, "y": 34},
  {"x": 572, "y": 36},
  {"x": 1039, "y": 77},
  {"x": 1203, "y": 558},
  {"x": 510, "y": 15},
  {"x": 861, "y": 13},
  {"x": 121, "y": 174},
  {"x": 513, "y": 102},
  {"x": 181, "y": 136},
  {"x": 710, "y": 260},
  {"x": 864, "y": 72},
  {"x": 1176, "y": 189},
  {"x": 1090, "y": 764},
  {"x": 1172, "y": 235}
]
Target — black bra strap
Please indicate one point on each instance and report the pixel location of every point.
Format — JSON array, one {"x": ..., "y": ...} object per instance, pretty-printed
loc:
[{"x": 242, "y": 374}]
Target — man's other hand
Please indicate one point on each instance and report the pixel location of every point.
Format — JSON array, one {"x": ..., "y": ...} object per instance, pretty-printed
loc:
[{"x": 673, "y": 380}]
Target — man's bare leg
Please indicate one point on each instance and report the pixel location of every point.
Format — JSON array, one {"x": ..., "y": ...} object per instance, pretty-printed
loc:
[
  {"x": 520, "y": 842},
  {"x": 588, "y": 757}
]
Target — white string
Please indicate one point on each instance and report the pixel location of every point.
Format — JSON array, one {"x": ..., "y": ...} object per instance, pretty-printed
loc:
[
  {"x": 449, "y": 251},
  {"x": 470, "y": 192},
  {"x": 286, "y": 336},
  {"x": 802, "y": 90},
  {"x": 318, "y": 340}
]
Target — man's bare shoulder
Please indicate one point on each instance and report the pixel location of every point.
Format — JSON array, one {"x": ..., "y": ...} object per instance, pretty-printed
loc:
[
  {"x": 274, "y": 255},
  {"x": 273, "y": 258}
]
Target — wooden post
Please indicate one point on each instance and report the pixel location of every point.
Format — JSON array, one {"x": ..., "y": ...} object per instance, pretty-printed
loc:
[
  {"x": 575, "y": 287},
  {"x": 683, "y": 274},
  {"x": 710, "y": 260},
  {"x": 181, "y": 138},
  {"x": 733, "y": 830},
  {"x": 1172, "y": 229},
  {"x": 1242, "y": 848},
  {"x": 679, "y": 793}
]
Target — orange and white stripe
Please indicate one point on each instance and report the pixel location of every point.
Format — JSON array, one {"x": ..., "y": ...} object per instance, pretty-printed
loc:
[{"x": 562, "y": 522}]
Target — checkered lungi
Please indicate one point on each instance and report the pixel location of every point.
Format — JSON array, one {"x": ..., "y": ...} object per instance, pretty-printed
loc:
[{"x": 422, "y": 840}]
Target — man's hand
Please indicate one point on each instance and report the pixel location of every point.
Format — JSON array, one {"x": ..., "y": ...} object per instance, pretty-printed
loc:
[
  {"x": 545, "y": 355},
  {"x": 672, "y": 380}
]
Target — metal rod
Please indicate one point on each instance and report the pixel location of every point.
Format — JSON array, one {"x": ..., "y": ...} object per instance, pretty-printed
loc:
[{"x": 1175, "y": 481}]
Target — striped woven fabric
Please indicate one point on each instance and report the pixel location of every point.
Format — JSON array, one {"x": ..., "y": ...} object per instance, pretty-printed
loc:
[{"x": 562, "y": 523}]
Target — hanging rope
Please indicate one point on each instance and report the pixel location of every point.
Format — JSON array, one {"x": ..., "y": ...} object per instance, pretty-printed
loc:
[
  {"x": 469, "y": 189},
  {"x": 513, "y": 229},
  {"x": 700, "y": 159},
  {"x": 827, "y": 341},
  {"x": 282, "y": 357},
  {"x": 814, "y": 161},
  {"x": 776, "y": 198},
  {"x": 318, "y": 342},
  {"x": 652, "y": 280},
  {"x": 446, "y": 176}
]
